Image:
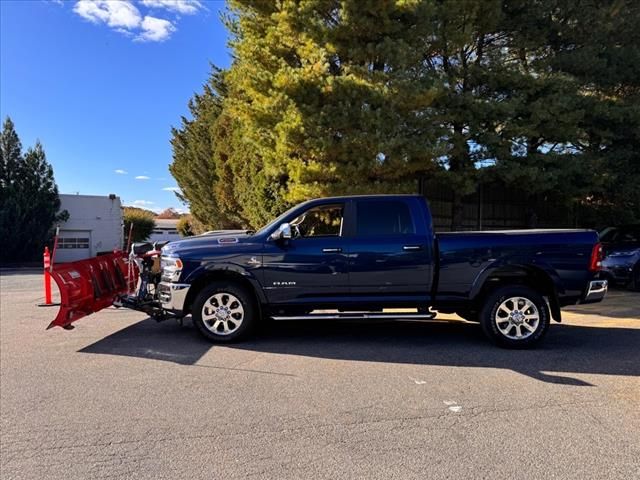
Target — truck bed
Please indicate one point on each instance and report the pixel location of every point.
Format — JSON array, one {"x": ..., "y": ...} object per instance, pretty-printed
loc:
[{"x": 466, "y": 258}]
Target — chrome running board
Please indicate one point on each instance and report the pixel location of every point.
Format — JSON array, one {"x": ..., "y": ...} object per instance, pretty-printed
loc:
[{"x": 359, "y": 316}]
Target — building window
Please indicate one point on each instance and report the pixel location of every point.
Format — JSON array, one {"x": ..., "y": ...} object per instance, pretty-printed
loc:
[{"x": 70, "y": 242}]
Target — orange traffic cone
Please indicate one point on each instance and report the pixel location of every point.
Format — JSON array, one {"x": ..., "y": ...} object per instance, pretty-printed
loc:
[{"x": 47, "y": 280}]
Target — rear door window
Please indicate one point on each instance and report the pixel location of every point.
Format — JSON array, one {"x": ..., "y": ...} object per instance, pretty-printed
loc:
[{"x": 383, "y": 217}]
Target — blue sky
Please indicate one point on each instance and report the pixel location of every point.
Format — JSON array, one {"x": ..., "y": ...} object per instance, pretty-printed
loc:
[{"x": 101, "y": 83}]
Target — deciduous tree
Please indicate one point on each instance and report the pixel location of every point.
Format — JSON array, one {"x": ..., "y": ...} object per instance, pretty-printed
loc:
[
  {"x": 143, "y": 224},
  {"x": 168, "y": 213}
]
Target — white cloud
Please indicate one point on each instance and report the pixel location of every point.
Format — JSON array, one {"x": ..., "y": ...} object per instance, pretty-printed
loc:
[
  {"x": 115, "y": 13},
  {"x": 125, "y": 18},
  {"x": 155, "y": 29},
  {"x": 187, "y": 7},
  {"x": 142, "y": 203},
  {"x": 171, "y": 189},
  {"x": 142, "y": 177},
  {"x": 119, "y": 171}
]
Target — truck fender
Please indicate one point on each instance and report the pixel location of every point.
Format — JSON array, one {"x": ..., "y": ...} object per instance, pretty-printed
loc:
[
  {"x": 540, "y": 270},
  {"x": 220, "y": 271}
]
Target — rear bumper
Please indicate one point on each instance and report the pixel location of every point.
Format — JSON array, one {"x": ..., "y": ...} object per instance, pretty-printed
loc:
[
  {"x": 172, "y": 296},
  {"x": 619, "y": 274},
  {"x": 596, "y": 291}
]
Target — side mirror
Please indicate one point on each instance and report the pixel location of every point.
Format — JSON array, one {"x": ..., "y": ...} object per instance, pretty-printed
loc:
[{"x": 282, "y": 233}]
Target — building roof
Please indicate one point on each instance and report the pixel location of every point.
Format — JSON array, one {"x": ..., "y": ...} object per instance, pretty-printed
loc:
[
  {"x": 167, "y": 223},
  {"x": 78, "y": 195}
]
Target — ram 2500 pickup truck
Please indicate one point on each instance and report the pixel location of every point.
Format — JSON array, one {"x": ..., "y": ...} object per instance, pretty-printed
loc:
[{"x": 357, "y": 257}]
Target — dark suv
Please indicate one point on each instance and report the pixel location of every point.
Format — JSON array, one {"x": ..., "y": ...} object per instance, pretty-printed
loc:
[{"x": 621, "y": 246}]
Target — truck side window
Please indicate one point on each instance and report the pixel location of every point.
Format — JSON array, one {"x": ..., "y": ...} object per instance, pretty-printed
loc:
[
  {"x": 382, "y": 217},
  {"x": 321, "y": 221}
]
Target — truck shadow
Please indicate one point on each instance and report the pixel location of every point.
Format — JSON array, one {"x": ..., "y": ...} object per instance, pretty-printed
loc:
[
  {"x": 166, "y": 341},
  {"x": 567, "y": 350}
]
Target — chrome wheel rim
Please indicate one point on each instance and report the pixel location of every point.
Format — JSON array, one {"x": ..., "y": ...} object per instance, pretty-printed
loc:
[
  {"x": 517, "y": 318},
  {"x": 222, "y": 313}
]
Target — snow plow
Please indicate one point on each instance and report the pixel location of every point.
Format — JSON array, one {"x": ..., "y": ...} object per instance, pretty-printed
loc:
[
  {"x": 87, "y": 286},
  {"x": 118, "y": 279}
]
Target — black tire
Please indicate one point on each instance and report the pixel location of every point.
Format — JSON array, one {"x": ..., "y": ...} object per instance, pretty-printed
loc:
[
  {"x": 497, "y": 335},
  {"x": 234, "y": 294}
]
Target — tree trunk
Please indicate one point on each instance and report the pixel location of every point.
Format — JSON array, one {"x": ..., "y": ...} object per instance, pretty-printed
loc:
[
  {"x": 457, "y": 211},
  {"x": 459, "y": 165}
]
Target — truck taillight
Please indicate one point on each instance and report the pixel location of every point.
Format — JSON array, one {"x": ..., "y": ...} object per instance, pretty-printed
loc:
[{"x": 595, "y": 263}]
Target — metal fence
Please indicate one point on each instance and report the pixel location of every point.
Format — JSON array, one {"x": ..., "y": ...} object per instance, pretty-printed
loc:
[{"x": 493, "y": 206}]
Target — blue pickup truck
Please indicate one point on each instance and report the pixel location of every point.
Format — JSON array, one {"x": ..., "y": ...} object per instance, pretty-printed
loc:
[{"x": 357, "y": 257}]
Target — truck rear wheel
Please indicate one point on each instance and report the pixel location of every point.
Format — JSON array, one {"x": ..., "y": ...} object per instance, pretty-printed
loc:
[
  {"x": 224, "y": 312},
  {"x": 515, "y": 317}
]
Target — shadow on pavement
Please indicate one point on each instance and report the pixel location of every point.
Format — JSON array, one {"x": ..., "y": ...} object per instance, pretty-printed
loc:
[
  {"x": 567, "y": 350},
  {"x": 158, "y": 341}
]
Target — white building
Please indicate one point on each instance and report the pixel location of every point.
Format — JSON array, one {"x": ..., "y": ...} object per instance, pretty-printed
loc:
[
  {"x": 94, "y": 227},
  {"x": 165, "y": 231}
]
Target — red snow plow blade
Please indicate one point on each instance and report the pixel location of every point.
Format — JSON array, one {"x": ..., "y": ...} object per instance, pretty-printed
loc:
[{"x": 87, "y": 286}]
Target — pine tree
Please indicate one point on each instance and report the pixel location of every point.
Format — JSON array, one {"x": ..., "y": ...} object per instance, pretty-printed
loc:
[
  {"x": 10, "y": 155},
  {"x": 330, "y": 97},
  {"x": 576, "y": 121},
  {"x": 194, "y": 163},
  {"x": 600, "y": 48},
  {"x": 365, "y": 96},
  {"x": 29, "y": 200}
]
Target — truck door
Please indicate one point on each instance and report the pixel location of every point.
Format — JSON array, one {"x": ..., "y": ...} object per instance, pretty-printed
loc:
[
  {"x": 312, "y": 265},
  {"x": 390, "y": 251}
]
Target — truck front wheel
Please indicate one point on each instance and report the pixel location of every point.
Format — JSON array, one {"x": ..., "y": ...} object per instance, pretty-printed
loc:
[
  {"x": 224, "y": 312},
  {"x": 515, "y": 317}
]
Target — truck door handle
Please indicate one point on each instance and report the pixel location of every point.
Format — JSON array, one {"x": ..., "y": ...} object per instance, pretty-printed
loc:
[
  {"x": 412, "y": 247},
  {"x": 331, "y": 250}
]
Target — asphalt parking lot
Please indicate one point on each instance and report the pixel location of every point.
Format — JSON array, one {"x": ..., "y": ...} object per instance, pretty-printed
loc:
[{"x": 121, "y": 396}]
